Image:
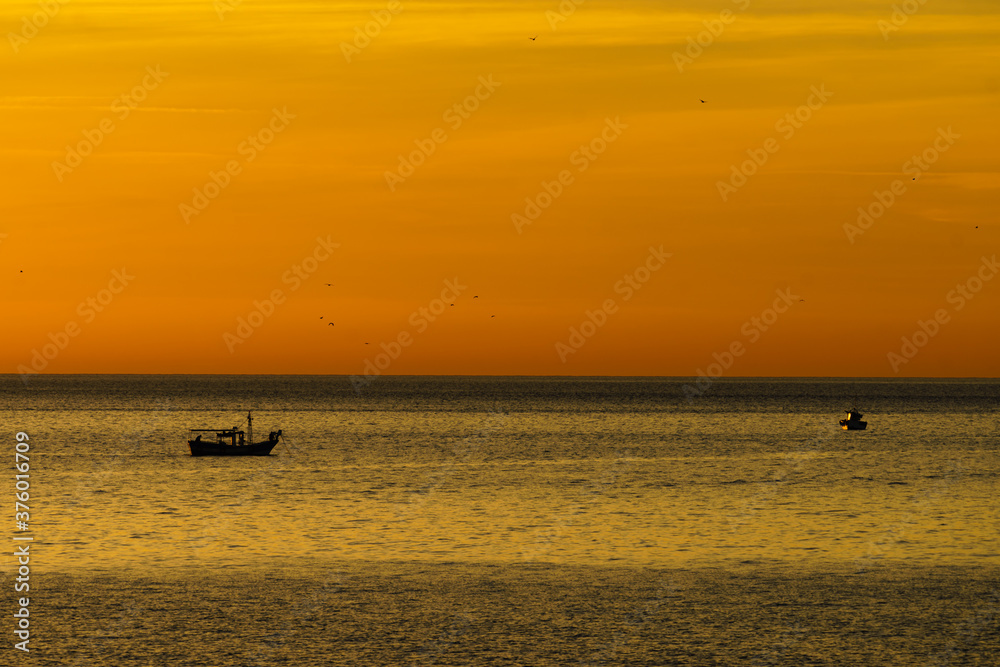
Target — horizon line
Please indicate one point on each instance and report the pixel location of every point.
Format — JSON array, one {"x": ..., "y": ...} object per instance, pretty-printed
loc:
[{"x": 483, "y": 375}]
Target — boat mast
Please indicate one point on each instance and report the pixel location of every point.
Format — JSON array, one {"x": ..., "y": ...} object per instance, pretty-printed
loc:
[{"x": 249, "y": 428}]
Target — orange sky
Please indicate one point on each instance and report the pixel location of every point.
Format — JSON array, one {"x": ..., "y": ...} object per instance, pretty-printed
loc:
[{"x": 344, "y": 116}]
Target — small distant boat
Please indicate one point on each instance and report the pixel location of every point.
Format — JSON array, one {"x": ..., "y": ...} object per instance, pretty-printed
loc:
[
  {"x": 853, "y": 421},
  {"x": 233, "y": 442}
]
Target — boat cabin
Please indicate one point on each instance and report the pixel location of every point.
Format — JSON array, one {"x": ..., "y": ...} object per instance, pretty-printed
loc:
[
  {"x": 853, "y": 421},
  {"x": 232, "y": 435}
]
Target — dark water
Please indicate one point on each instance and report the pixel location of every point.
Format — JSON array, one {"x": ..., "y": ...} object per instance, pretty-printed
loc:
[{"x": 514, "y": 521}]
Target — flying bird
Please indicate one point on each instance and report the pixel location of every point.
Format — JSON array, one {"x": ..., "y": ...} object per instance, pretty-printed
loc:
[
  {"x": 476, "y": 297},
  {"x": 702, "y": 101},
  {"x": 533, "y": 38},
  {"x": 329, "y": 284},
  {"x": 331, "y": 324}
]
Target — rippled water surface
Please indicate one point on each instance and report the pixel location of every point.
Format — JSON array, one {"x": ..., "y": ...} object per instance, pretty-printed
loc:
[{"x": 512, "y": 521}]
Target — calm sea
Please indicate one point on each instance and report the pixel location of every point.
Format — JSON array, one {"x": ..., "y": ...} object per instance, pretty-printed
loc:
[{"x": 509, "y": 521}]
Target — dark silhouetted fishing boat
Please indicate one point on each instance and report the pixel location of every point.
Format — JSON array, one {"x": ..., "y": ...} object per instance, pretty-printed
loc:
[
  {"x": 853, "y": 421},
  {"x": 233, "y": 442}
]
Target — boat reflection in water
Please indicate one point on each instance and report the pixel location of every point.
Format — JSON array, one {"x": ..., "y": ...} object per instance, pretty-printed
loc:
[
  {"x": 853, "y": 421},
  {"x": 232, "y": 442}
]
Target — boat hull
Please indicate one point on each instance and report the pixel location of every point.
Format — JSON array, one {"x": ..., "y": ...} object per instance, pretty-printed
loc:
[
  {"x": 853, "y": 425},
  {"x": 215, "y": 449}
]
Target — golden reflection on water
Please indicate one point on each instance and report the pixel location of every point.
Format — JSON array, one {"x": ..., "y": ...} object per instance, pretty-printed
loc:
[
  {"x": 501, "y": 521},
  {"x": 501, "y": 499}
]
